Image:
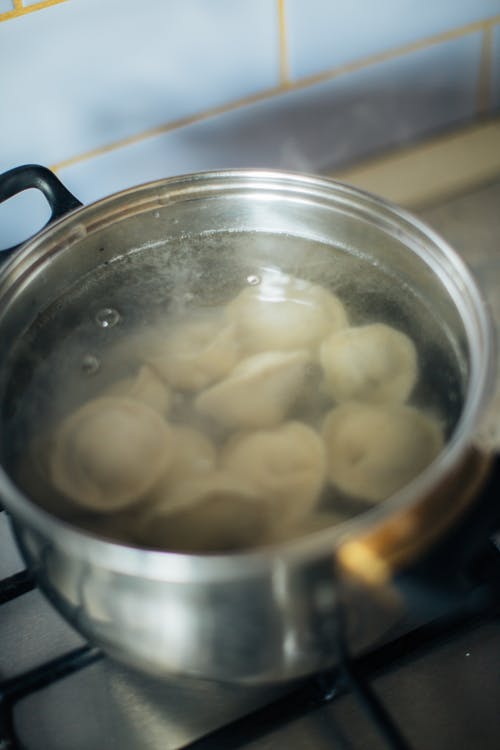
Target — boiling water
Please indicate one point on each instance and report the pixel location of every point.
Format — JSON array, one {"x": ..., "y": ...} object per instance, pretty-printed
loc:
[{"x": 87, "y": 340}]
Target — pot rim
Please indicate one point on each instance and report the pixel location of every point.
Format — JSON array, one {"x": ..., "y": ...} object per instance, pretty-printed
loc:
[{"x": 182, "y": 567}]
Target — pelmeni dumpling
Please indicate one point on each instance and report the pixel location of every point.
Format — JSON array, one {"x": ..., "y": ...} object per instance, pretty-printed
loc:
[
  {"x": 195, "y": 353},
  {"x": 215, "y": 512},
  {"x": 109, "y": 453},
  {"x": 372, "y": 450},
  {"x": 286, "y": 465},
  {"x": 285, "y": 313},
  {"x": 193, "y": 454},
  {"x": 146, "y": 387},
  {"x": 117, "y": 525},
  {"x": 373, "y": 363},
  {"x": 33, "y": 476},
  {"x": 314, "y": 521},
  {"x": 258, "y": 392}
]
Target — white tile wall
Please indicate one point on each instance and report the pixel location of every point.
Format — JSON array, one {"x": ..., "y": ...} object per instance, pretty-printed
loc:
[
  {"x": 306, "y": 130},
  {"x": 99, "y": 83},
  {"x": 323, "y": 34},
  {"x": 21, "y": 217},
  {"x": 93, "y": 72}
]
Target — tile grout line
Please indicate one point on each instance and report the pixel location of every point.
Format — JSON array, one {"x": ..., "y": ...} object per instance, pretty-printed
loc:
[
  {"x": 168, "y": 127},
  {"x": 22, "y": 10},
  {"x": 283, "y": 44},
  {"x": 396, "y": 52},
  {"x": 291, "y": 85},
  {"x": 484, "y": 82}
]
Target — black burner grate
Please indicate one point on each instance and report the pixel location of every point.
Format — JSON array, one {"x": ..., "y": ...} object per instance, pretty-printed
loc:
[
  {"x": 352, "y": 675},
  {"x": 16, "y": 585}
]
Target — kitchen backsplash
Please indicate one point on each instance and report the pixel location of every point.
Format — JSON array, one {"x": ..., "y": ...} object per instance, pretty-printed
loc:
[{"x": 111, "y": 93}]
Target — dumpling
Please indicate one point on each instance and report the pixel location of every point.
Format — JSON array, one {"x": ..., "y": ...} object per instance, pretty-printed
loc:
[
  {"x": 146, "y": 387},
  {"x": 373, "y": 363},
  {"x": 372, "y": 451},
  {"x": 117, "y": 525},
  {"x": 286, "y": 313},
  {"x": 285, "y": 464},
  {"x": 192, "y": 454},
  {"x": 315, "y": 521},
  {"x": 195, "y": 353},
  {"x": 216, "y": 512},
  {"x": 33, "y": 476},
  {"x": 259, "y": 391},
  {"x": 109, "y": 453}
]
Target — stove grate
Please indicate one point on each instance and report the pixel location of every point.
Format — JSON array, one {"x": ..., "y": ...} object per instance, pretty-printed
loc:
[
  {"x": 17, "y": 688},
  {"x": 16, "y": 585},
  {"x": 352, "y": 675}
]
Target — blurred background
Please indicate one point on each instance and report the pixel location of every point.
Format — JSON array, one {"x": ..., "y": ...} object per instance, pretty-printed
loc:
[{"x": 112, "y": 93}]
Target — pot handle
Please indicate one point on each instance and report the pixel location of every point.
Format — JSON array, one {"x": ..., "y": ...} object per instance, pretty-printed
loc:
[{"x": 16, "y": 180}]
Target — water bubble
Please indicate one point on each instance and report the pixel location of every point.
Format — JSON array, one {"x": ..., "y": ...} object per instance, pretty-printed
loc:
[
  {"x": 107, "y": 317},
  {"x": 90, "y": 364},
  {"x": 156, "y": 214},
  {"x": 253, "y": 280}
]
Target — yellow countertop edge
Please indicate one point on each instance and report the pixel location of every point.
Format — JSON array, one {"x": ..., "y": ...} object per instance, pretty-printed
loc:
[{"x": 431, "y": 170}]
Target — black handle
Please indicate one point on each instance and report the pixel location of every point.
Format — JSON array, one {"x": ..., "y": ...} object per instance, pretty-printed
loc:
[{"x": 29, "y": 176}]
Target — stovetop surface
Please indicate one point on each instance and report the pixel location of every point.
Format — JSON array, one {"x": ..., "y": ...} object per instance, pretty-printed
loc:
[{"x": 444, "y": 696}]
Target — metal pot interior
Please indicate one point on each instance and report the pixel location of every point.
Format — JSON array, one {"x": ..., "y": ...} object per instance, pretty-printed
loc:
[{"x": 195, "y": 243}]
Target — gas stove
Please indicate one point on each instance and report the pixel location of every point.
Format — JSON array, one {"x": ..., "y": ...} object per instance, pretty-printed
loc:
[
  {"x": 435, "y": 686},
  {"x": 432, "y": 685}
]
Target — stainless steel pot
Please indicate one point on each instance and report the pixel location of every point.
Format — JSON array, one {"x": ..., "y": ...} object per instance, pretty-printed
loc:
[{"x": 270, "y": 614}]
